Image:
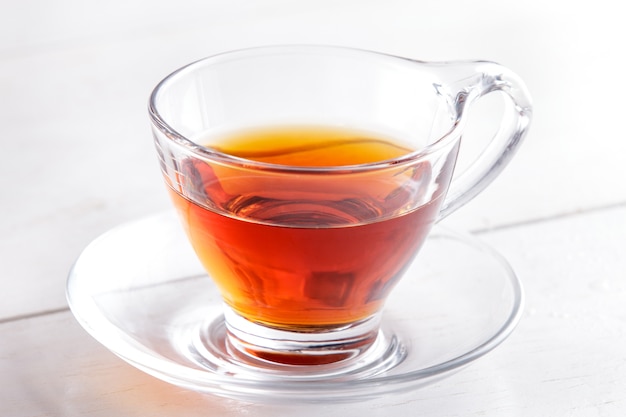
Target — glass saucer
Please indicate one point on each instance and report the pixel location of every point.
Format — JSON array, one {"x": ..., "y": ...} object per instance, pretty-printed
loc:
[{"x": 139, "y": 290}]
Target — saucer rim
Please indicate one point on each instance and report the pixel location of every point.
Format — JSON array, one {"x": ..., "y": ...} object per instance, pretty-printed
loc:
[{"x": 204, "y": 381}]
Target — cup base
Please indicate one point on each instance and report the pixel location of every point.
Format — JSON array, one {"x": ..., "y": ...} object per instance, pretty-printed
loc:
[
  {"x": 278, "y": 354},
  {"x": 258, "y": 343}
]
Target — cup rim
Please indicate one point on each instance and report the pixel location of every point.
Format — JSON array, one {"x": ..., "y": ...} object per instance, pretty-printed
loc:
[{"x": 212, "y": 154}]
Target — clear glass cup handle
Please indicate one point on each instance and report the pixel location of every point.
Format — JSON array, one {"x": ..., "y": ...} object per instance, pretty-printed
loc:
[{"x": 485, "y": 78}]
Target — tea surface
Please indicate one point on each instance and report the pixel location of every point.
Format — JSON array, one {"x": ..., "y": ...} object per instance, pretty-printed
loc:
[{"x": 310, "y": 146}]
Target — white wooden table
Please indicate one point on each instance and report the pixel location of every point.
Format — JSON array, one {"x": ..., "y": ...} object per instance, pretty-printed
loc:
[{"x": 77, "y": 159}]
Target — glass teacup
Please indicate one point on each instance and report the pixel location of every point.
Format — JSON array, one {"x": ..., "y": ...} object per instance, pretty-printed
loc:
[{"x": 307, "y": 179}]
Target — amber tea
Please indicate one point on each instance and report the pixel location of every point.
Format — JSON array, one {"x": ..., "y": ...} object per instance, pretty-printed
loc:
[{"x": 309, "y": 250}]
